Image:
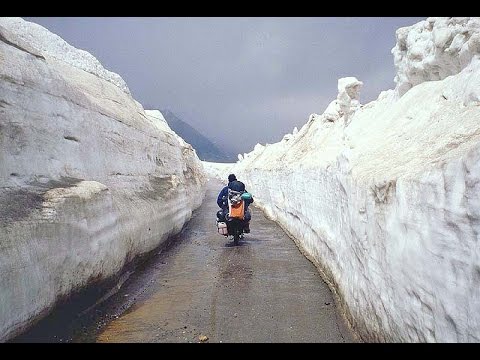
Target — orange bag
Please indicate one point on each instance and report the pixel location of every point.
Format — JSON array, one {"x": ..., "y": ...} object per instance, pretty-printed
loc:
[{"x": 238, "y": 210}]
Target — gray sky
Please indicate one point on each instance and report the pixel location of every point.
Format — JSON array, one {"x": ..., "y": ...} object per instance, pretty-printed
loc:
[{"x": 244, "y": 80}]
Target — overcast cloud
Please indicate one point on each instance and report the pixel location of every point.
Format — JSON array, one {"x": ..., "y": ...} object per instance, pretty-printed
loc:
[{"x": 255, "y": 77}]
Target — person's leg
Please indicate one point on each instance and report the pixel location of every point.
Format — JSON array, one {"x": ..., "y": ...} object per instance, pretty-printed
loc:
[{"x": 248, "y": 217}]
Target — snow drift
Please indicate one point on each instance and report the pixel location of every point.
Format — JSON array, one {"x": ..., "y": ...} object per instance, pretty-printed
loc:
[
  {"x": 385, "y": 197},
  {"x": 88, "y": 179},
  {"x": 218, "y": 170}
]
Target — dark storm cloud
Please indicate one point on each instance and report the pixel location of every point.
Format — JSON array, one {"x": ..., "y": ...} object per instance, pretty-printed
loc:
[{"x": 256, "y": 77}]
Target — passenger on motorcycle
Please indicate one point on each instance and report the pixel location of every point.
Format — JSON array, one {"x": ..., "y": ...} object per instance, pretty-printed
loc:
[{"x": 222, "y": 200}]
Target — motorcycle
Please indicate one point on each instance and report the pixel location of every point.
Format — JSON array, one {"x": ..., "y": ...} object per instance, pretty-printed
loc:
[
  {"x": 235, "y": 222},
  {"x": 236, "y": 227},
  {"x": 231, "y": 227}
]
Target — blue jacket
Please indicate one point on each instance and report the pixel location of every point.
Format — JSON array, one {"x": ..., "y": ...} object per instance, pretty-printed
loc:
[{"x": 222, "y": 199}]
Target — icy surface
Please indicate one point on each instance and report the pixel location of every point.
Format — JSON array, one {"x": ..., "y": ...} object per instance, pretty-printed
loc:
[
  {"x": 88, "y": 179},
  {"x": 387, "y": 203}
]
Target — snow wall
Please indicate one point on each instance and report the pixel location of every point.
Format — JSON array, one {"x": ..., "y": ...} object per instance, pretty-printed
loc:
[
  {"x": 385, "y": 197},
  {"x": 89, "y": 181}
]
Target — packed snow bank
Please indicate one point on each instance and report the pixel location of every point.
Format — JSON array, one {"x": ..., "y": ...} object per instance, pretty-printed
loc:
[
  {"x": 387, "y": 204},
  {"x": 88, "y": 179},
  {"x": 52, "y": 45},
  {"x": 158, "y": 120},
  {"x": 434, "y": 49}
]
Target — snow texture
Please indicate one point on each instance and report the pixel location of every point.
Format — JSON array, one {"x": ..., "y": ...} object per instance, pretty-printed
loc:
[
  {"x": 89, "y": 181},
  {"x": 218, "y": 170},
  {"x": 385, "y": 197},
  {"x": 434, "y": 49},
  {"x": 52, "y": 45},
  {"x": 158, "y": 120}
]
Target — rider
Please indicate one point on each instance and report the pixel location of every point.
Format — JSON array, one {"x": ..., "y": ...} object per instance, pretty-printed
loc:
[{"x": 222, "y": 201}]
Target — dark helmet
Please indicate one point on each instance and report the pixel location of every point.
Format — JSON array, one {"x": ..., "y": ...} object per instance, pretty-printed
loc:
[{"x": 231, "y": 178}]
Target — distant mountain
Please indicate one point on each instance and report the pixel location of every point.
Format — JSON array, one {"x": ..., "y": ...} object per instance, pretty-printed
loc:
[{"x": 205, "y": 148}]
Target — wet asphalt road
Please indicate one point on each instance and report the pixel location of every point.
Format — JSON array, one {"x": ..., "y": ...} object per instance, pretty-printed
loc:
[{"x": 263, "y": 290}]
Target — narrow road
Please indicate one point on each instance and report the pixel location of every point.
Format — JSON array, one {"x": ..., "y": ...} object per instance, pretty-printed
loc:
[{"x": 263, "y": 290}]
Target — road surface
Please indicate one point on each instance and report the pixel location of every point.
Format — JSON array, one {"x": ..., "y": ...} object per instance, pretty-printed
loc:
[{"x": 202, "y": 288}]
